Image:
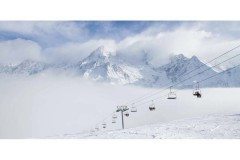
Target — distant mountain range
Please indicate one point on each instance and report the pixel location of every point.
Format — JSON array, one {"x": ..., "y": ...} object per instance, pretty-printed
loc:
[{"x": 103, "y": 66}]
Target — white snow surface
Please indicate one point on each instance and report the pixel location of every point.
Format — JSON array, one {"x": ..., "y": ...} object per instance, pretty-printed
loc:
[{"x": 213, "y": 126}]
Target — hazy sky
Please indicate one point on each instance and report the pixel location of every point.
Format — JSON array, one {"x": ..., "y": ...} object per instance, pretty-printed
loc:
[{"x": 70, "y": 41}]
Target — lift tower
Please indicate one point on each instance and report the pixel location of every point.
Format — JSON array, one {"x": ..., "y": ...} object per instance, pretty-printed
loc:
[{"x": 122, "y": 109}]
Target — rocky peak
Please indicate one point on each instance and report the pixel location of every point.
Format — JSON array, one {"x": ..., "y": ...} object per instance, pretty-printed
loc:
[
  {"x": 101, "y": 51},
  {"x": 178, "y": 58}
]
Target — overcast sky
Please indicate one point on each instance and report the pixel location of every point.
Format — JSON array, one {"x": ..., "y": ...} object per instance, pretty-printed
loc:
[{"x": 70, "y": 41}]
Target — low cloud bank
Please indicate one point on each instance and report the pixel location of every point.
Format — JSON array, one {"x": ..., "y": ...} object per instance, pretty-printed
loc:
[{"x": 47, "y": 105}]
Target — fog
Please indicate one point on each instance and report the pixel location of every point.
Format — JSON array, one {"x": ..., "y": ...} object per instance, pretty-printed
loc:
[{"x": 46, "y": 105}]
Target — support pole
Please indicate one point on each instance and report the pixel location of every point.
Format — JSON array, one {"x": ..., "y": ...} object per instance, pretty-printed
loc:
[
  {"x": 122, "y": 120},
  {"x": 122, "y": 109}
]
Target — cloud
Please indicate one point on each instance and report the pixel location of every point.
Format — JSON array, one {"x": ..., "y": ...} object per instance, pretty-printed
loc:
[
  {"x": 15, "y": 51},
  {"x": 45, "y": 105},
  {"x": 46, "y": 33},
  {"x": 69, "y": 42},
  {"x": 160, "y": 44},
  {"x": 73, "y": 51},
  {"x": 230, "y": 29}
]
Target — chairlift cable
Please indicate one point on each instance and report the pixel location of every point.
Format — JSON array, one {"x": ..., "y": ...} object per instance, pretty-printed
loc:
[
  {"x": 196, "y": 75},
  {"x": 183, "y": 87},
  {"x": 149, "y": 95}
]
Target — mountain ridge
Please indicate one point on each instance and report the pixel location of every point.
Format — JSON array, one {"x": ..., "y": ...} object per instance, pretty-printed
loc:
[{"x": 102, "y": 65}]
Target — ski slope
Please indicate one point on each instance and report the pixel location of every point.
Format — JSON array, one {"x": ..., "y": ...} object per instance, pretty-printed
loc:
[{"x": 214, "y": 126}]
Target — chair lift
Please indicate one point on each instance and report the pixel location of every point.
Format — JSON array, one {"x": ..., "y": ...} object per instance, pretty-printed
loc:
[
  {"x": 152, "y": 107},
  {"x": 104, "y": 125},
  {"x": 171, "y": 94},
  {"x": 133, "y": 109},
  {"x": 126, "y": 113},
  {"x": 113, "y": 120},
  {"x": 96, "y": 128},
  {"x": 114, "y": 116},
  {"x": 197, "y": 91}
]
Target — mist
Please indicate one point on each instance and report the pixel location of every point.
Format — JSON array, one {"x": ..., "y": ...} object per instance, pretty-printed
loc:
[{"x": 47, "y": 105}]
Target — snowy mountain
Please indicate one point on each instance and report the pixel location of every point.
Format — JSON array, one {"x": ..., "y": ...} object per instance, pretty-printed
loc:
[
  {"x": 181, "y": 68},
  {"x": 232, "y": 77},
  {"x": 27, "y": 67},
  {"x": 102, "y": 65}
]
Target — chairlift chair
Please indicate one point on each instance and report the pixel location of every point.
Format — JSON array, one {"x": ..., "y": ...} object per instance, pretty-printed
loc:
[
  {"x": 171, "y": 94},
  {"x": 113, "y": 121},
  {"x": 126, "y": 114},
  {"x": 96, "y": 128},
  {"x": 197, "y": 91},
  {"x": 152, "y": 107},
  {"x": 133, "y": 109},
  {"x": 104, "y": 125},
  {"x": 114, "y": 116}
]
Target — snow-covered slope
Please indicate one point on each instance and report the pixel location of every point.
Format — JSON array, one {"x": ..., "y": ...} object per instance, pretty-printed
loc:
[
  {"x": 102, "y": 65},
  {"x": 207, "y": 127},
  {"x": 181, "y": 68},
  {"x": 232, "y": 77}
]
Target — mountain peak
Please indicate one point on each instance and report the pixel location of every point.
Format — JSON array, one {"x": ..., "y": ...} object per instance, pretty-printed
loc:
[
  {"x": 101, "y": 51},
  {"x": 195, "y": 58},
  {"x": 99, "y": 56},
  {"x": 102, "y": 48},
  {"x": 179, "y": 57}
]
